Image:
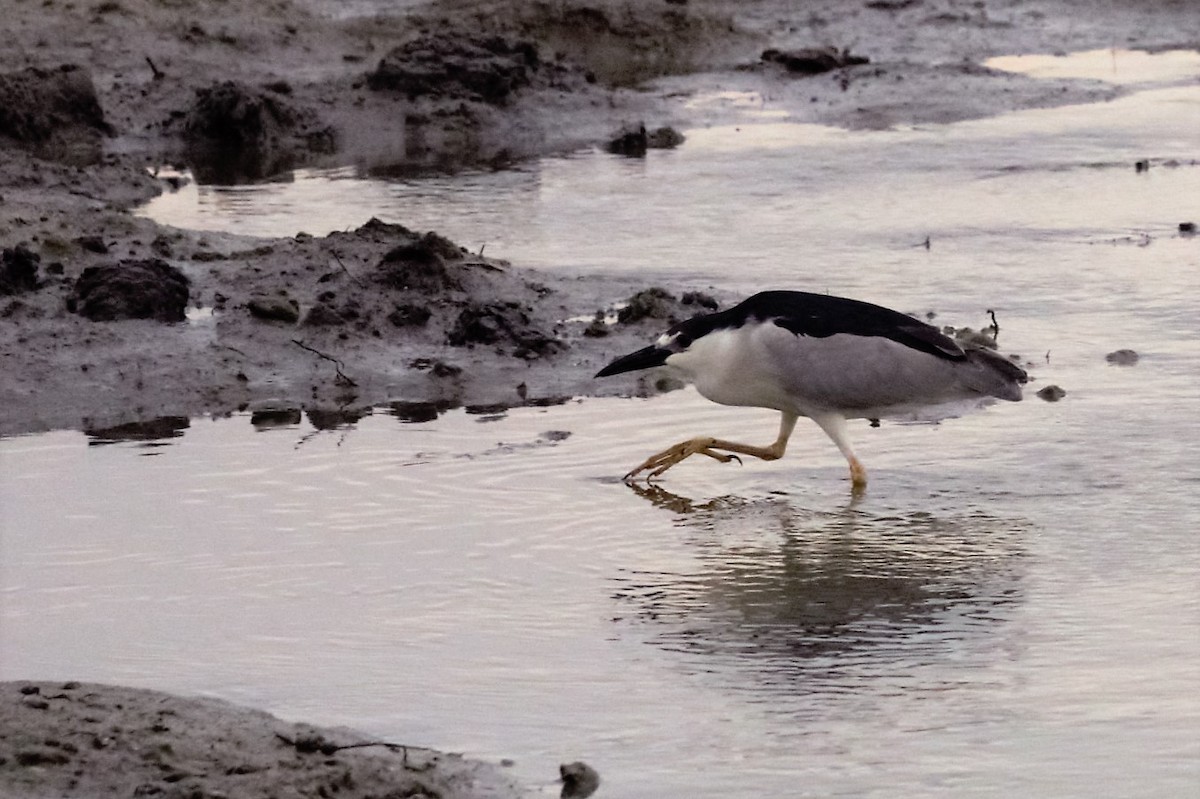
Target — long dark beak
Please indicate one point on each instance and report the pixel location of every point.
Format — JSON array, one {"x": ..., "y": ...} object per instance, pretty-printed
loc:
[{"x": 642, "y": 359}]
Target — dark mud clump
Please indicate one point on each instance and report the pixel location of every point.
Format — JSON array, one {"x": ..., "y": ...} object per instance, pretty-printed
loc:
[
  {"x": 1051, "y": 393},
  {"x": 813, "y": 60},
  {"x": 490, "y": 69},
  {"x": 18, "y": 270},
  {"x": 658, "y": 303},
  {"x": 651, "y": 303},
  {"x": 50, "y": 107},
  {"x": 420, "y": 265},
  {"x": 164, "y": 427},
  {"x": 579, "y": 780},
  {"x": 409, "y": 315},
  {"x": 236, "y": 133},
  {"x": 507, "y": 323},
  {"x": 145, "y": 289},
  {"x": 635, "y": 142},
  {"x": 1123, "y": 357},
  {"x": 624, "y": 45}
]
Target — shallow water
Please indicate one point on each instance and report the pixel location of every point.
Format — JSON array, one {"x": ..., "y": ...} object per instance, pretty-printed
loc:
[{"x": 1011, "y": 609}]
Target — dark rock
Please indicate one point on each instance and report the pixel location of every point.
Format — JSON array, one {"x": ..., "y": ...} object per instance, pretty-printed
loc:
[
  {"x": 490, "y": 68},
  {"x": 665, "y": 138},
  {"x": 270, "y": 413},
  {"x": 163, "y": 427},
  {"x": 1122, "y": 357},
  {"x": 142, "y": 289},
  {"x": 630, "y": 142},
  {"x": 1051, "y": 393},
  {"x": 279, "y": 309},
  {"x": 635, "y": 142},
  {"x": 1187, "y": 228},
  {"x": 18, "y": 270},
  {"x": 813, "y": 60},
  {"x": 416, "y": 412},
  {"x": 333, "y": 418},
  {"x": 579, "y": 780}
]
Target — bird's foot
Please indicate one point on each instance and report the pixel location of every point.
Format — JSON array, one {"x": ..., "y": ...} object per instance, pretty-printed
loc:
[
  {"x": 858, "y": 476},
  {"x": 657, "y": 464}
]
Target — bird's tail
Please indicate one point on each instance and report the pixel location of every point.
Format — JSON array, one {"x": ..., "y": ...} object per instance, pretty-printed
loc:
[{"x": 993, "y": 375}]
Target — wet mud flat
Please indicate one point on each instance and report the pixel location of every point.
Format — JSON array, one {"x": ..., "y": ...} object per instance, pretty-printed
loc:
[
  {"x": 107, "y": 319},
  {"x": 83, "y": 739}
]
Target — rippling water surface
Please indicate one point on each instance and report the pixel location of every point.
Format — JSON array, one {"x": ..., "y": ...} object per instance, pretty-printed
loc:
[{"x": 1010, "y": 610}]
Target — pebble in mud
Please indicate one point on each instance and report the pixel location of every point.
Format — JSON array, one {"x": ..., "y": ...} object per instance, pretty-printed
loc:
[
  {"x": 1122, "y": 357},
  {"x": 1051, "y": 393},
  {"x": 279, "y": 309}
]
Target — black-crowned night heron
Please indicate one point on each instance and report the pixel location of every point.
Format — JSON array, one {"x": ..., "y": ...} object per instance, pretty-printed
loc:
[{"x": 827, "y": 358}]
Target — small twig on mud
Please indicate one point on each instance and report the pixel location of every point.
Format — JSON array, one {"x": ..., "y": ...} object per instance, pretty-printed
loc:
[
  {"x": 158, "y": 73},
  {"x": 995, "y": 325},
  {"x": 344, "y": 269},
  {"x": 341, "y": 379},
  {"x": 318, "y": 743}
]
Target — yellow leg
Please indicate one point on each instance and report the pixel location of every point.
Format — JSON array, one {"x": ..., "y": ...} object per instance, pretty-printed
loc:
[{"x": 717, "y": 449}]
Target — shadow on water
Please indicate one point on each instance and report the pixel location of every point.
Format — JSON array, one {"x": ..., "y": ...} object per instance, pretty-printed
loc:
[{"x": 820, "y": 601}]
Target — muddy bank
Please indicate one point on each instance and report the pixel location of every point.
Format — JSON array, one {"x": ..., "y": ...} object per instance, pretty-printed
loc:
[
  {"x": 84, "y": 739},
  {"x": 96, "y": 101},
  {"x": 180, "y": 325}
]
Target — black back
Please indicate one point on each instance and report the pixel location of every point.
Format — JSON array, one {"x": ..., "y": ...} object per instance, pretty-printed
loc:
[{"x": 821, "y": 315}]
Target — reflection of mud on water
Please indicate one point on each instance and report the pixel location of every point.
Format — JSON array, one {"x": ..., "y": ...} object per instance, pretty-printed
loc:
[{"x": 818, "y": 601}]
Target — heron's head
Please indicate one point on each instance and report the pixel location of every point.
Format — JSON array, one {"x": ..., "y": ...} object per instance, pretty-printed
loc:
[{"x": 675, "y": 341}]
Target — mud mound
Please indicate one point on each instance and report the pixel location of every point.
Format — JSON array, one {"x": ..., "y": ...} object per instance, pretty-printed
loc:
[
  {"x": 490, "y": 69},
  {"x": 235, "y": 132},
  {"x": 149, "y": 289},
  {"x": 18, "y": 271},
  {"x": 420, "y": 265},
  {"x": 51, "y": 106}
]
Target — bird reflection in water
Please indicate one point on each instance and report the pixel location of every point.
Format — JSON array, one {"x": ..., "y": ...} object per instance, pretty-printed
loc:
[{"x": 822, "y": 600}]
